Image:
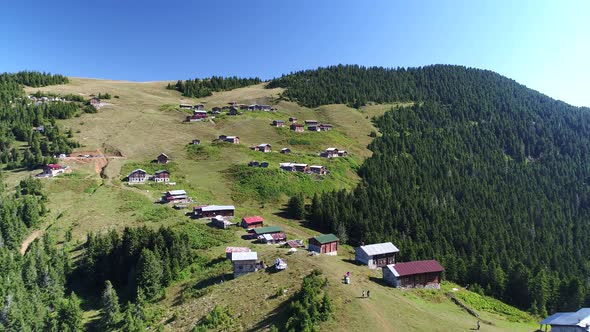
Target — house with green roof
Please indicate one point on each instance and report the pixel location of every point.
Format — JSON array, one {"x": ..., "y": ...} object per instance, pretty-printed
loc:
[
  {"x": 324, "y": 244},
  {"x": 267, "y": 230}
]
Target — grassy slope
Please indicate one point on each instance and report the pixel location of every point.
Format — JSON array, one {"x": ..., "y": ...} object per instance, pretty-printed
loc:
[{"x": 143, "y": 122}]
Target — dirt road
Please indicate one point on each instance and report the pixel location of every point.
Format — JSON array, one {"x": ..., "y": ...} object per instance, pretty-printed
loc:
[{"x": 27, "y": 242}]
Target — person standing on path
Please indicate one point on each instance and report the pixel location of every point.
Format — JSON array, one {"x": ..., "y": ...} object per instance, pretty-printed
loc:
[
  {"x": 368, "y": 293},
  {"x": 363, "y": 296},
  {"x": 478, "y": 324}
]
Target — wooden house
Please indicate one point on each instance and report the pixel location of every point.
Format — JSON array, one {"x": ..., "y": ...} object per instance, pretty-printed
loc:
[
  {"x": 285, "y": 150},
  {"x": 342, "y": 153},
  {"x": 233, "y": 111},
  {"x": 568, "y": 321},
  {"x": 316, "y": 169},
  {"x": 297, "y": 127},
  {"x": 254, "y": 163},
  {"x": 301, "y": 168},
  {"x": 200, "y": 107},
  {"x": 416, "y": 274},
  {"x": 313, "y": 128},
  {"x": 230, "y": 250},
  {"x": 94, "y": 102},
  {"x": 330, "y": 153},
  {"x": 376, "y": 255},
  {"x": 264, "y": 164},
  {"x": 137, "y": 176},
  {"x": 244, "y": 262},
  {"x": 272, "y": 238},
  {"x": 244, "y": 107},
  {"x": 175, "y": 196},
  {"x": 252, "y": 222},
  {"x": 325, "y": 127},
  {"x": 293, "y": 119},
  {"x": 186, "y": 106},
  {"x": 50, "y": 170},
  {"x": 221, "y": 222},
  {"x": 216, "y": 110},
  {"x": 209, "y": 211},
  {"x": 162, "y": 158},
  {"x": 196, "y": 142},
  {"x": 230, "y": 139},
  {"x": 257, "y": 232},
  {"x": 311, "y": 122},
  {"x": 161, "y": 176},
  {"x": 278, "y": 123},
  {"x": 324, "y": 244},
  {"x": 264, "y": 147}
]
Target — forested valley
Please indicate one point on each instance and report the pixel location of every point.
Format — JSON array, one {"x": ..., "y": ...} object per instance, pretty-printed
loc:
[{"x": 482, "y": 173}]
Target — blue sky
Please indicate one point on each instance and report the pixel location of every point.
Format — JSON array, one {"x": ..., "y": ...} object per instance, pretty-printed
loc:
[{"x": 543, "y": 44}]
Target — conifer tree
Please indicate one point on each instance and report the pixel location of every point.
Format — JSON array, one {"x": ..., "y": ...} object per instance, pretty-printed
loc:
[{"x": 110, "y": 307}]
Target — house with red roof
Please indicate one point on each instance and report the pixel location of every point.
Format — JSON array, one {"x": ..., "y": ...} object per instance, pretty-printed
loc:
[
  {"x": 53, "y": 170},
  {"x": 252, "y": 222},
  {"x": 416, "y": 274}
]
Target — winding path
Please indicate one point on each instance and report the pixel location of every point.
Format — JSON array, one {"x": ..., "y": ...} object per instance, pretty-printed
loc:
[{"x": 27, "y": 242}]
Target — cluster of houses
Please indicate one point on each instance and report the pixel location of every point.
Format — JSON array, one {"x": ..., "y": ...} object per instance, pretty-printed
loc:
[
  {"x": 51, "y": 170},
  {"x": 232, "y": 108},
  {"x": 312, "y": 125},
  {"x": 42, "y": 100},
  {"x": 176, "y": 197},
  {"x": 139, "y": 176},
  {"x": 303, "y": 168}
]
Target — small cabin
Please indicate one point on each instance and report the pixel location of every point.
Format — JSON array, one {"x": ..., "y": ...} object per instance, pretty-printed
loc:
[
  {"x": 330, "y": 153},
  {"x": 221, "y": 222},
  {"x": 265, "y": 147},
  {"x": 316, "y": 169},
  {"x": 273, "y": 238},
  {"x": 278, "y": 123},
  {"x": 244, "y": 262},
  {"x": 196, "y": 142},
  {"x": 161, "y": 176},
  {"x": 285, "y": 150},
  {"x": 185, "y": 106},
  {"x": 252, "y": 222},
  {"x": 200, "y": 107},
  {"x": 175, "y": 196},
  {"x": 416, "y": 274},
  {"x": 216, "y": 110},
  {"x": 376, "y": 255},
  {"x": 260, "y": 231},
  {"x": 94, "y": 102},
  {"x": 233, "y": 111},
  {"x": 311, "y": 122},
  {"x": 313, "y": 128},
  {"x": 162, "y": 158},
  {"x": 296, "y": 127},
  {"x": 292, "y": 119},
  {"x": 53, "y": 170},
  {"x": 209, "y": 211},
  {"x": 230, "y": 139},
  {"x": 325, "y": 127},
  {"x": 324, "y": 244},
  {"x": 137, "y": 176}
]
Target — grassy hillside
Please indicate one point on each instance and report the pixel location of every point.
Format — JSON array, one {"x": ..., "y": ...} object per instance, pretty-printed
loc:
[{"x": 143, "y": 121}]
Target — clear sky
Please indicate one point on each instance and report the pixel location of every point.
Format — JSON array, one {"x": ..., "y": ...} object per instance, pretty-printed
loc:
[{"x": 544, "y": 44}]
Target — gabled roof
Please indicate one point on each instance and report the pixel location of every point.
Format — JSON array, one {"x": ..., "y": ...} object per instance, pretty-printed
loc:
[
  {"x": 163, "y": 154},
  {"x": 244, "y": 256},
  {"x": 160, "y": 171},
  {"x": 267, "y": 229},
  {"x": 416, "y": 267},
  {"x": 176, "y": 192},
  {"x": 217, "y": 208},
  {"x": 379, "y": 249},
  {"x": 54, "y": 166},
  {"x": 316, "y": 166},
  {"x": 254, "y": 219},
  {"x": 263, "y": 145},
  {"x": 331, "y": 149},
  {"x": 578, "y": 318},
  {"x": 137, "y": 170},
  {"x": 326, "y": 238}
]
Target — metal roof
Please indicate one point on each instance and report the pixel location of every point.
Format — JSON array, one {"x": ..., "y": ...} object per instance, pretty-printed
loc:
[
  {"x": 379, "y": 249},
  {"x": 249, "y": 220},
  {"x": 244, "y": 256},
  {"x": 267, "y": 229},
  {"x": 578, "y": 318},
  {"x": 416, "y": 267},
  {"x": 176, "y": 192},
  {"x": 217, "y": 208},
  {"x": 326, "y": 238}
]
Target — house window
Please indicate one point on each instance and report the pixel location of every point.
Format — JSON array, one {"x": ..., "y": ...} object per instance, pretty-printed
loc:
[{"x": 241, "y": 267}]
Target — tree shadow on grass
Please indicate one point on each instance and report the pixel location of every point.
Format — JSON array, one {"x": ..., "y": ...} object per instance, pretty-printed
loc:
[
  {"x": 277, "y": 317},
  {"x": 379, "y": 281}
]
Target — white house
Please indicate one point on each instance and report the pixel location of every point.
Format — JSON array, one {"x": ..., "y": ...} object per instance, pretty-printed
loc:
[
  {"x": 376, "y": 255},
  {"x": 244, "y": 262},
  {"x": 578, "y": 321}
]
